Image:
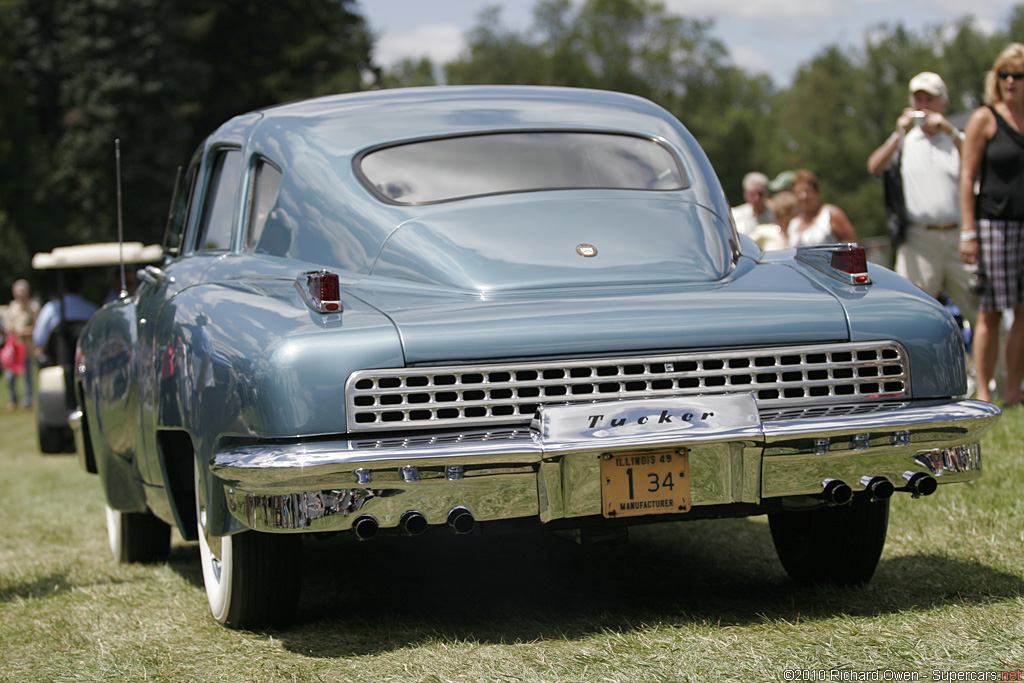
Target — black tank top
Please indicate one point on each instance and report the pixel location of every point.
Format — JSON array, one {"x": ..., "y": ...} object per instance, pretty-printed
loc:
[{"x": 1001, "y": 194}]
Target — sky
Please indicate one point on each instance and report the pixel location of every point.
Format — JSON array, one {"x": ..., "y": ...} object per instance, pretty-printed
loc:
[{"x": 762, "y": 36}]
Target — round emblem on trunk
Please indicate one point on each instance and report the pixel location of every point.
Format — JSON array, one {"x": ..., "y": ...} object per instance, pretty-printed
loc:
[{"x": 587, "y": 250}]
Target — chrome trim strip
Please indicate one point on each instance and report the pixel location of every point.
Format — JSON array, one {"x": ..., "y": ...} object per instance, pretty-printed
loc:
[
  {"x": 464, "y": 396},
  {"x": 743, "y": 460},
  {"x": 309, "y": 465}
]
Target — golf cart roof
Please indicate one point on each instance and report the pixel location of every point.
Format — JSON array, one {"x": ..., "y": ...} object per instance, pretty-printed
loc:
[{"x": 97, "y": 254}]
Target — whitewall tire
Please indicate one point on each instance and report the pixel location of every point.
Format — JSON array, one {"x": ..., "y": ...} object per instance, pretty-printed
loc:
[
  {"x": 137, "y": 536},
  {"x": 252, "y": 579}
]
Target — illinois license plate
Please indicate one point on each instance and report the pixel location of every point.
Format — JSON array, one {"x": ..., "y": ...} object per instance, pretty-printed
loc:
[{"x": 648, "y": 483}]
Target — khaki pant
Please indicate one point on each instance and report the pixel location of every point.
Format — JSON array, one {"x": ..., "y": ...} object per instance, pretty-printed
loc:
[{"x": 931, "y": 260}]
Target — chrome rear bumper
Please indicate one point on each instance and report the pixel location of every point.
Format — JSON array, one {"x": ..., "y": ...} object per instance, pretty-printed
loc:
[{"x": 552, "y": 470}]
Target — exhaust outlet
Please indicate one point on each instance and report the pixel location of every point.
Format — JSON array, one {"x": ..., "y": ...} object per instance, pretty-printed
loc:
[
  {"x": 920, "y": 483},
  {"x": 365, "y": 527},
  {"x": 413, "y": 523},
  {"x": 836, "y": 492},
  {"x": 461, "y": 520},
  {"x": 879, "y": 488}
]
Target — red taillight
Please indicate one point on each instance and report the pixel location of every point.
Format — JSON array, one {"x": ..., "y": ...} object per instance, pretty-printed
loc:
[
  {"x": 847, "y": 263},
  {"x": 329, "y": 290},
  {"x": 325, "y": 290},
  {"x": 853, "y": 261}
]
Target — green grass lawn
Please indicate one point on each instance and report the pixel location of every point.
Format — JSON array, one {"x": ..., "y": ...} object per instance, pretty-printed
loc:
[{"x": 702, "y": 601}]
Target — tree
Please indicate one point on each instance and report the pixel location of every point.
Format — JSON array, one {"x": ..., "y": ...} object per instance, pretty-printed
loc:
[
  {"x": 120, "y": 75},
  {"x": 496, "y": 56},
  {"x": 632, "y": 46},
  {"x": 157, "y": 75},
  {"x": 843, "y": 104},
  {"x": 823, "y": 116},
  {"x": 160, "y": 75},
  {"x": 891, "y": 57},
  {"x": 254, "y": 53},
  {"x": 840, "y": 106},
  {"x": 965, "y": 59},
  {"x": 410, "y": 73},
  {"x": 17, "y": 130}
]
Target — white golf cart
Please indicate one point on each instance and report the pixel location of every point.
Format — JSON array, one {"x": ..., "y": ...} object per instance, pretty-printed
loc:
[{"x": 55, "y": 400}]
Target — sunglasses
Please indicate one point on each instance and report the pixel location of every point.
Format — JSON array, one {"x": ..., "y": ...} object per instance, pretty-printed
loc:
[{"x": 1017, "y": 75}]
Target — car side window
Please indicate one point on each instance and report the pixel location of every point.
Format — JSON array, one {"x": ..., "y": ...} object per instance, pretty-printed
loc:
[
  {"x": 181, "y": 202},
  {"x": 266, "y": 232},
  {"x": 218, "y": 209}
]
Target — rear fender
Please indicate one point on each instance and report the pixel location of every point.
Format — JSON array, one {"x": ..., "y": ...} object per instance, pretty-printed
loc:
[{"x": 121, "y": 485}]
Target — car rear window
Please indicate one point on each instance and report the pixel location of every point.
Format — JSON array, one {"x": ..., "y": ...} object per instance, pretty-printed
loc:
[{"x": 441, "y": 170}]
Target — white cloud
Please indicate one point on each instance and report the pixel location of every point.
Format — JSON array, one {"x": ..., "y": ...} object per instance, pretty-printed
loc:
[
  {"x": 989, "y": 9},
  {"x": 440, "y": 42},
  {"x": 759, "y": 9},
  {"x": 772, "y": 36},
  {"x": 750, "y": 59}
]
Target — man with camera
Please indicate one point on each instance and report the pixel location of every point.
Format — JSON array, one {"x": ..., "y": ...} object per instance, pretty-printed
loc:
[{"x": 920, "y": 164}]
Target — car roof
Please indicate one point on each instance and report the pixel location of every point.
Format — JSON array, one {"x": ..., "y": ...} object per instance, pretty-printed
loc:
[
  {"x": 386, "y": 116},
  {"x": 97, "y": 254},
  {"x": 319, "y": 143}
]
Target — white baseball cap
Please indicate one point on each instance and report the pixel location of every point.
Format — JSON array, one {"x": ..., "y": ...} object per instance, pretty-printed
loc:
[{"x": 930, "y": 83}]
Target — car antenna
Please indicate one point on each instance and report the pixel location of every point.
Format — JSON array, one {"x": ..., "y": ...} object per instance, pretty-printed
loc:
[{"x": 120, "y": 226}]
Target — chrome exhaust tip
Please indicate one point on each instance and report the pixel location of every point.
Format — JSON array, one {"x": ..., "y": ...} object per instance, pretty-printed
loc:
[
  {"x": 365, "y": 527},
  {"x": 413, "y": 523},
  {"x": 461, "y": 520},
  {"x": 836, "y": 492},
  {"x": 920, "y": 483},
  {"x": 879, "y": 488}
]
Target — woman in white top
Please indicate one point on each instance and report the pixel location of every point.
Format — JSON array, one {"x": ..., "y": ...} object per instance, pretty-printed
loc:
[{"x": 817, "y": 223}]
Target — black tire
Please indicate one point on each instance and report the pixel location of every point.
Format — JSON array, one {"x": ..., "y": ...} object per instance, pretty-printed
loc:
[
  {"x": 56, "y": 439},
  {"x": 138, "y": 536},
  {"x": 832, "y": 545},
  {"x": 253, "y": 580}
]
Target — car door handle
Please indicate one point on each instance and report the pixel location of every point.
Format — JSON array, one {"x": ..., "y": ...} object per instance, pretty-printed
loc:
[{"x": 154, "y": 275}]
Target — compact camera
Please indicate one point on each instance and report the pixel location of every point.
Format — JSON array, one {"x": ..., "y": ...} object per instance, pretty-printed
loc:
[
  {"x": 978, "y": 284},
  {"x": 917, "y": 117}
]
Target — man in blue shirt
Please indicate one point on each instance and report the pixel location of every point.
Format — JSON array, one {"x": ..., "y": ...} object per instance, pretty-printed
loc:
[{"x": 75, "y": 308}]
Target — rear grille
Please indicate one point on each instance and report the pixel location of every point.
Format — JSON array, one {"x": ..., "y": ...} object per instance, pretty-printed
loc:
[
  {"x": 510, "y": 393},
  {"x": 426, "y": 440},
  {"x": 830, "y": 411}
]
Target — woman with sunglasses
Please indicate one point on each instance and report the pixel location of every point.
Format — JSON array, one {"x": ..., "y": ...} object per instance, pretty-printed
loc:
[{"x": 992, "y": 221}]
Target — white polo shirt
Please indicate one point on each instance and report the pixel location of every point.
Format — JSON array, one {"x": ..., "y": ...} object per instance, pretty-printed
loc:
[
  {"x": 747, "y": 221},
  {"x": 931, "y": 178}
]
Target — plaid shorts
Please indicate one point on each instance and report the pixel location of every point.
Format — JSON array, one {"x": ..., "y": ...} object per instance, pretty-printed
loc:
[{"x": 1002, "y": 259}]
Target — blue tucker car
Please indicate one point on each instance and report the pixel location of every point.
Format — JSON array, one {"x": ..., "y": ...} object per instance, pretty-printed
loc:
[{"x": 492, "y": 309}]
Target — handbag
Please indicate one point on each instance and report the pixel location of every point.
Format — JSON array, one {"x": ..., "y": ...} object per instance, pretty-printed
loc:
[
  {"x": 895, "y": 204},
  {"x": 12, "y": 356}
]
